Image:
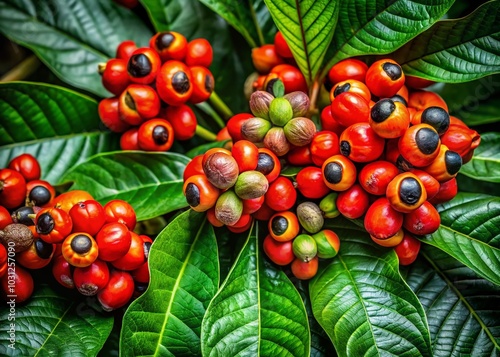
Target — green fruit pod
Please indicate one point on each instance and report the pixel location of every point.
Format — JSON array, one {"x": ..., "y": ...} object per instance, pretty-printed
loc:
[
  {"x": 304, "y": 247},
  {"x": 328, "y": 243}
]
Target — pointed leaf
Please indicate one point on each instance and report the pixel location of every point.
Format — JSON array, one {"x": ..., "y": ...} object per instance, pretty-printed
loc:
[
  {"x": 307, "y": 27},
  {"x": 58, "y": 126},
  {"x": 256, "y": 312},
  {"x": 166, "y": 320},
  {"x": 380, "y": 27},
  {"x": 362, "y": 302},
  {"x": 71, "y": 37},
  {"x": 485, "y": 164},
  {"x": 462, "y": 308},
  {"x": 150, "y": 182},
  {"x": 53, "y": 324},
  {"x": 456, "y": 50},
  {"x": 470, "y": 232}
]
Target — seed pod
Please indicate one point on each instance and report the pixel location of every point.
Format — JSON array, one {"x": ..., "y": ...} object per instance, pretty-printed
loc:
[
  {"x": 255, "y": 129},
  {"x": 300, "y": 103},
  {"x": 328, "y": 205},
  {"x": 221, "y": 170},
  {"x": 382, "y": 221},
  {"x": 445, "y": 166},
  {"x": 423, "y": 220},
  {"x": 16, "y": 235},
  {"x": 339, "y": 173},
  {"x": 406, "y": 192},
  {"x": 328, "y": 243},
  {"x": 310, "y": 217},
  {"x": 434, "y": 116},
  {"x": 200, "y": 193},
  {"x": 250, "y": 185},
  {"x": 419, "y": 145},
  {"x": 391, "y": 241},
  {"x": 300, "y": 131},
  {"x": 304, "y": 247},
  {"x": 284, "y": 226},
  {"x": 389, "y": 119},
  {"x": 276, "y": 141},
  {"x": 228, "y": 208},
  {"x": 280, "y": 111},
  {"x": 260, "y": 102}
]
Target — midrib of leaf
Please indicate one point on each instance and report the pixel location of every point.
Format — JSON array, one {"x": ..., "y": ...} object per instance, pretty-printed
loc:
[
  {"x": 462, "y": 299},
  {"x": 53, "y": 329},
  {"x": 176, "y": 287},
  {"x": 258, "y": 284},
  {"x": 479, "y": 158},
  {"x": 303, "y": 38},
  {"x": 137, "y": 189},
  {"x": 58, "y": 137}
]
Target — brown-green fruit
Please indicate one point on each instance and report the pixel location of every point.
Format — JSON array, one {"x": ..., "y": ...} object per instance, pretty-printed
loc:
[
  {"x": 255, "y": 129},
  {"x": 300, "y": 103},
  {"x": 300, "y": 131},
  {"x": 310, "y": 217},
  {"x": 328, "y": 205},
  {"x": 221, "y": 170},
  {"x": 250, "y": 185},
  {"x": 304, "y": 247},
  {"x": 260, "y": 102},
  {"x": 275, "y": 140},
  {"x": 228, "y": 208}
]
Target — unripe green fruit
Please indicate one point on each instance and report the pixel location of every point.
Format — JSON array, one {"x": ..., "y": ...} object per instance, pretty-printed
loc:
[
  {"x": 328, "y": 205},
  {"x": 228, "y": 208},
  {"x": 304, "y": 247},
  {"x": 328, "y": 243},
  {"x": 250, "y": 185},
  {"x": 280, "y": 111},
  {"x": 310, "y": 217},
  {"x": 255, "y": 129}
]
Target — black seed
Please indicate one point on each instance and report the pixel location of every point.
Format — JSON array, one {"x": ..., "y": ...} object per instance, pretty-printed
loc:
[
  {"x": 160, "y": 135},
  {"x": 341, "y": 89},
  {"x": 427, "y": 140},
  {"x": 81, "y": 244},
  {"x": 453, "y": 162},
  {"x": 345, "y": 148},
  {"x": 209, "y": 84},
  {"x": 382, "y": 110},
  {"x": 43, "y": 249},
  {"x": 147, "y": 248},
  {"x": 139, "y": 65},
  {"x": 164, "y": 40},
  {"x": 39, "y": 195},
  {"x": 45, "y": 223},
  {"x": 270, "y": 85},
  {"x": 398, "y": 98},
  {"x": 333, "y": 172},
  {"x": 436, "y": 117},
  {"x": 20, "y": 215},
  {"x": 410, "y": 190},
  {"x": 392, "y": 70},
  {"x": 180, "y": 82},
  {"x": 192, "y": 195},
  {"x": 265, "y": 165},
  {"x": 129, "y": 101},
  {"x": 279, "y": 225},
  {"x": 402, "y": 164}
]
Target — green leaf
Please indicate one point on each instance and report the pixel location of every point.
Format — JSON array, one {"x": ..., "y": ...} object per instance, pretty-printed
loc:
[
  {"x": 166, "y": 320},
  {"x": 362, "y": 302},
  {"x": 456, "y": 50},
  {"x": 307, "y": 27},
  {"x": 150, "y": 182},
  {"x": 58, "y": 126},
  {"x": 485, "y": 164},
  {"x": 474, "y": 102},
  {"x": 380, "y": 27},
  {"x": 462, "y": 308},
  {"x": 256, "y": 312},
  {"x": 467, "y": 184},
  {"x": 53, "y": 324},
  {"x": 72, "y": 37},
  {"x": 470, "y": 232}
]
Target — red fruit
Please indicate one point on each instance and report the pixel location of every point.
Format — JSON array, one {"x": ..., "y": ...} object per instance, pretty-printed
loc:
[
  {"x": 354, "y": 202},
  {"x": 117, "y": 292},
  {"x": 91, "y": 279},
  {"x": 199, "y": 53},
  {"x": 280, "y": 253},
  {"x": 27, "y": 165},
  {"x": 109, "y": 114},
  {"x": 349, "y": 108},
  {"x": 309, "y": 182},
  {"x": 87, "y": 217},
  {"x": 121, "y": 212},
  {"x": 20, "y": 284},
  {"x": 183, "y": 121},
  {"x": 12, "y": 188},
  {"x": 113, "y": 240},
  {"x": 407, "y": 250},
  {"x": 115, "y": 76},
  {"x": 281, "y": 195}
]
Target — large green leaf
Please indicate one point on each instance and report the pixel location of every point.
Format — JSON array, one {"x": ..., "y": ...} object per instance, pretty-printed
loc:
[
  {"x": 256, "y": 312},
  {"x": 485, "y": 164},
  {"x": 462, "y": 309},
  {"x": 474, "y": 102},
  {"x": 456, "y": 50},
  {"x": 150, "y": 182},
  {"x": 380, "y": 26},
  {"x": 307, "y": 27},
  {"x": 53, "y": 324},
  {"x": 470, "y": 232},
  {"x": 166, "y": 320},
  {"x": 71, "y": 36},
  {"x": 362, "y": 302},
  {"x": 58, "y": 126},
  {"x": 467, "y": 184}
]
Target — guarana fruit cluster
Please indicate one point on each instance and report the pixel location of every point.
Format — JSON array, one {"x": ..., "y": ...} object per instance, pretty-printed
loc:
[
  {"x": 152, "y": 87},
  {"x": 387, "y": 152},
  {"x": 90, "y": 247}
]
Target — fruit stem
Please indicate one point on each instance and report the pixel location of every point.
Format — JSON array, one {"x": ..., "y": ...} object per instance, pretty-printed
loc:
[
  {"x": 205, "y": 107},
  {"x": 205, "y": 133},
  {"x": 314, "y": 97},
  {"x": 28, "y": 66},
  {"x": 220, "y": 106}
]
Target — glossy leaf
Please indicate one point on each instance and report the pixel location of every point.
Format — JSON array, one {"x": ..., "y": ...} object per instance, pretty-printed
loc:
[
  {"x": 456, "y": 50},
  {"x": 467, "y": 184},
  {"x": 362, "y": 302},
  {"x": 166, "y": 320},
  {"x": 380, "y": 26},
  {"x": 256, "y": 312},
  {"x": 474, "y": 102},
  {"x": 150, "y": 182},
  {"x": 72, "y": 37},
  {"x": 485, "y": 164},
  {"x": 462, "y": 308},
  {"x": 470, "y": 233},
  {"x": 58, "y": 126},
  {"x": 52, "y": 323},
  {"x": 307, "y": 27}
]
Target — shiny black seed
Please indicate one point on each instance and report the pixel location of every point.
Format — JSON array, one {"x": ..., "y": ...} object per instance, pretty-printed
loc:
[
  {"x": 410, "y": 191},
  {"x": 81, "y": 244},
  {"x": 45, "y": 223},
  {"x": 345, "y": 148},
  {"x": 192, "y": 195},
  {"x": 341, "y": 89},
  {"x": 209, "y": 84},
  {"x": 180, "y": 82},
  {"x": 139, "y": 65},
  {"x": 382, "y": 110},
  {"x": 333, "y": 172},
  {"x": 147, "y": 248},
  {"x": 400, "y": 99},
  {"x": 279, "y": 225},
  {"x": 453, "y": 162},
  {"x": 427, "y": 140},
  {"x": 39, "y": 195},
  {"x": 160, "y": 135},
  {"x": 20, "y": 215},
  {"x": 265, "y": 165},
  {"x": 164, "y": 40},
  {"x": 392, "y": 70},
  {"x": 436, "y": 117},
  {"x": 43, "y": 250}
]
